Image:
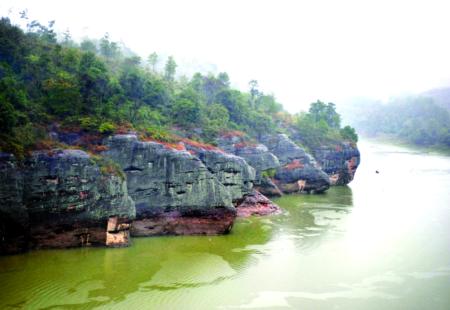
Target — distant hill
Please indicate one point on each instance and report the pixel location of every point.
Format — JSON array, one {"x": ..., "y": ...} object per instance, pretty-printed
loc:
[
  {"x": 414, "y": 119},
  {"x": 441, "y": 96}
]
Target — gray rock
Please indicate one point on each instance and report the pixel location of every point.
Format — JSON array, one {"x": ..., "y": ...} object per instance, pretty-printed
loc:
[
  {"x": 339, "y": 161},
  {"x": 256, "y": 155},
  {"x": 298, "y": 171},
  {"x": 14, "y": 221},
  {"x": 232, "y": 171},
  {"x": 295, "y": 170},
  {"x": 168, "y": 183},
  {"x": 62, "y": 199}
]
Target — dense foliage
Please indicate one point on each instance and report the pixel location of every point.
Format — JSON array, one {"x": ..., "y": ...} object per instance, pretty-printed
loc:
[
  {"x": 322, "y": 125},
  {"x": 98, "y": 86},
  {"x": 416, "y": 120}
]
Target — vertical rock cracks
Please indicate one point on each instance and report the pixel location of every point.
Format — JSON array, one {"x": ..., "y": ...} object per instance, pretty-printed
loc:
[{"x": 68, "y": 198}]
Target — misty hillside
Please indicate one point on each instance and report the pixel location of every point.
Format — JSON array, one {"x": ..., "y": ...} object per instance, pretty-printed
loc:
[
  {"x": 416, "y": 119},
  {"x": 96, "y": 88},
  {"x": 441, "y": 96}
]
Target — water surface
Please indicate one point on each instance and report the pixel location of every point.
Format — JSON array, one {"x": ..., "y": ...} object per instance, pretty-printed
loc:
[{"x": 381, "y": 243}]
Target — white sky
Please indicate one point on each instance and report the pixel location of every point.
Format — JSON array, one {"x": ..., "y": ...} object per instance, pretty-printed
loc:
[{"x": 299, "y": 50}]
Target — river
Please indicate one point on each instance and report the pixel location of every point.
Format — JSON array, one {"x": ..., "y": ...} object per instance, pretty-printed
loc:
[{"x": 381, "y": 243}]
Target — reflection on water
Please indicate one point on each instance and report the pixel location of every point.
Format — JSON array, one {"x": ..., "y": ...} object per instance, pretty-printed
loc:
[{"x": 383, "y": 242}]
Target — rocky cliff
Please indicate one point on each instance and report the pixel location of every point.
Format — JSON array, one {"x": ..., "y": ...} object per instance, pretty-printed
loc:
[
  {"x": 339, "y": 161},
  {"x": 61, "y": 198},
  {"x": 232, "y": 171},
  {"x": 298, "y": 171},
  {"x": 238, "y": 177},
  {"x": 281, "y": 165},
  {"x": 189, "y": 190},
  {"x": 174, "y": 191},
  {"x": 68, "y": 198}
]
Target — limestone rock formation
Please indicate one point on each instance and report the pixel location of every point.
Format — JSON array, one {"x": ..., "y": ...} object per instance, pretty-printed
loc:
[
  {"x": 256, "y": 204},
  {"x": 232, "y": 171},
  {"x": 298, "y": 170},
  {"x": 257, "y": 156},
  {"x": 14, "y": 221},
  {"x": 174, "y": 191},
  {"x": 339, "y": 161},
  {"x": 281, "y": 165},
  {"x": 60, "y": 198}
]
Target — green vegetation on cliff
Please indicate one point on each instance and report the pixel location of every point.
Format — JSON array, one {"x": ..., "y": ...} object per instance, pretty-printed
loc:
[
  {"x": 100, "y": 88},
  {"x": 322, "y": 125}
]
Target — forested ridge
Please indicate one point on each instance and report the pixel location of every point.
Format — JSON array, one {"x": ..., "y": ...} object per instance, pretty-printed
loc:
[
  {"x": 417, "y": 120},
  {"x": 99, "y": 88}
]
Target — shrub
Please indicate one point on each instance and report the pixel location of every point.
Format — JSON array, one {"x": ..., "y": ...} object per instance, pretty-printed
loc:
[
  {"x": 349, "y": 133},
  {"x": 88, "y": 123},
  {"x": 106, "y": 128},
  {"x": 269, "y": 173}
]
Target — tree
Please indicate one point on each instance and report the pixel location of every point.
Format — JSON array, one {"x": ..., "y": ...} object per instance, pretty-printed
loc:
[
  {"x": 88, "y": 46},
  {"x": 349, "y": 133},
  {"x": 152, "y": 61},
  {"x": 93, "y": 81},
  {"x": 108, "y": 48},
  {"x": 224, "y": 79},
  {"x": 268, "y": 104},
  {"x": 327, "y": 112},
  {"x": 62, "y": 94},
  {"x": 8, "y": 117},
  {"x": 170, "y": 68},
  {"x": 233, "y": 100},
  {"x": 67, "y": 39},
  {"x": 253, "y": 92},
  {"x": 187, "y": 113}
]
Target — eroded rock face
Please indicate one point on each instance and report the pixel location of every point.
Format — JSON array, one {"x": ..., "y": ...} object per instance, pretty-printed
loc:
[
  {"x": 339, "y": 161},
  {"x": 14, "y": 221},
  {"x": 171, "y": 189},
  {"x": 256, "y": 155},
  {"x": 267, "y": 187},
  {"x": 256, "y": 203},
  {"x": 281, "y": 165},
  {"x": 66, "y": 199},
  {"x": 298, "y": 171},
  {"x": 232, "y": 171}
]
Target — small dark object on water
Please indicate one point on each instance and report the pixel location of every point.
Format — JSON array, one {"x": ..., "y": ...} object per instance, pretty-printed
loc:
[{"x": 376, "y": 171}]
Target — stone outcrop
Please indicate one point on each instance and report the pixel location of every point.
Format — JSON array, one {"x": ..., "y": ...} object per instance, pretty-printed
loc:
[
  {"x": 68, "y": 198},
  {"x": 61, "y": 198},
  {"x": 257, "y": 156},
  {"x": 281, "y": 165},
  {"x": 298, "y": 171},
  {"x": 14, "y": 221},
  {"x": 256, "y": 204},
  {"x": 232, "y": 171},
  {"x": 174, "y": 192},
  {"x": 339, "y": 161}
]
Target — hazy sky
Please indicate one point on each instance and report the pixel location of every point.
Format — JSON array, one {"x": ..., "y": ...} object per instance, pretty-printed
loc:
[{"x": 299, "y": 50}]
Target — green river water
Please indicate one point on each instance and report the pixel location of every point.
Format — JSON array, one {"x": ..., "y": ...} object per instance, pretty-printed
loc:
[{"x": 381, "y": 243}]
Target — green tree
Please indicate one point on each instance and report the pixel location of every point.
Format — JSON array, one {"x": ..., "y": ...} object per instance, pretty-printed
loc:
[
  {"x": 88, "y": 46},
  {"x": 187, "y": 113},
  {"x": 170, "y": 69},
  {"x": 349, "y": 133},
  {"x": 327, "y": 112},
  {"x": 93, "y": 82},
  {"x": 108, "y": 48},
  {"x": 153, "y": 61},
  {"x": 253, "y": 92},
  {"x": 8, "y": 116}
]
